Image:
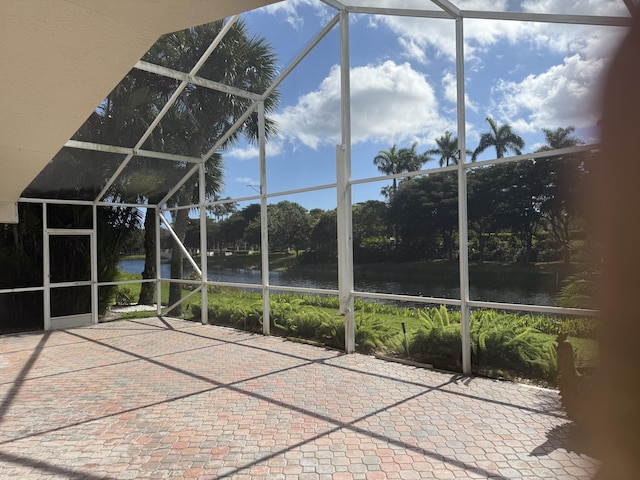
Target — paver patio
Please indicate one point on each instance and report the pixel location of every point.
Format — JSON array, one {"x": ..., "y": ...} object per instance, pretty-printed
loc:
[{"x": 164, "y": 398}]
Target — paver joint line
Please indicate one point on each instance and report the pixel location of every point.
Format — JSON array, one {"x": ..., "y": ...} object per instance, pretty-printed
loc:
[{"x": 178, "y": 399}]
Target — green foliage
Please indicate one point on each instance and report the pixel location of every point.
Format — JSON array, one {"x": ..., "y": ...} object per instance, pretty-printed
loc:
[
  {"x": 506, "y": 344},
  {"x": 124, "y": 296},
  {"x": 438, "y": 345},
  {"x": 499, "y": 342},
  {"x": 374, "y": 334},
  {"x": 580, "y": 289}
]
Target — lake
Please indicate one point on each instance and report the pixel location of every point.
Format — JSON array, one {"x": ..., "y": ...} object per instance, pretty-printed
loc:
[{"x": 509, "y": 287}]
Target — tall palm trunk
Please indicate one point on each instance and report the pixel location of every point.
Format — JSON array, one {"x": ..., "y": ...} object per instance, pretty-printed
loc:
[
  {"x": 148, "y": 290},
  {"x": 180, "y": 228},
  {"x": 175, "y": 289}
]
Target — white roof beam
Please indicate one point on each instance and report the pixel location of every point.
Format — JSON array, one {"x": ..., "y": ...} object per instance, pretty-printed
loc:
[
  {"x": 99, "y": 147},
  {"x": 188, "y": 78},
  {"x": 332, "y": 23},
  {"x": 400, "y": 12},
  {"x": 170, "y": 102},
  {"x": 335, "y": 4},
  {"x": 549, "y": 18},
  {"x": 448, "y": 7}
]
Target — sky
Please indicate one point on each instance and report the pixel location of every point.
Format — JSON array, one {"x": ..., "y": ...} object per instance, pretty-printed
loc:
[{"x": 403, "y": 87}]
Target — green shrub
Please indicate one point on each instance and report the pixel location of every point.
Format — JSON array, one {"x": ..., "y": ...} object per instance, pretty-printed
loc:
[
  {"x": 124, "y": 296},
  {"x": 502, "y": 343},
  {"x": 374, "y": 334},
  {"x": 499, "y": 342}
]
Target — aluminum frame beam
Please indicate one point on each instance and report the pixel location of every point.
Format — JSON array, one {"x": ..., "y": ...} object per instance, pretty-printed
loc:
[
  {"x": 344, "y": 203},
  {"x": 264, "y": 222},
  {"x": 548, "y": 18},
  {"x": 202, "y": 192},
  {"x": 463, "y": 241},
  {"x": 400, "y": 12},
  {"x": 181, "y": 246}
]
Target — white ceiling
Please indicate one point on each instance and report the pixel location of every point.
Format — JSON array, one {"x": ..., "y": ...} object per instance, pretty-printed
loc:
[{"x": 61, "y": 58}]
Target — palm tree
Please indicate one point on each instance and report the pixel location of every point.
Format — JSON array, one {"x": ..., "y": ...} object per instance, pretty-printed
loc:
[
  {"x": 559, "y": 138},
  {"x": 447, "y": 149},
  {"x": 502, "y": 138},
  {"x": 394, "y": 161},
  {"x": 201, "y": 116},
  {"x": 191, "y": 127}
]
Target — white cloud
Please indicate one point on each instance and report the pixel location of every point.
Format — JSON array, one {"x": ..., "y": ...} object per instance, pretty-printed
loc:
[
  {"x": 562, "y": 96},
  {"x": 247, "y": 181},
  {"x": 389, "y": 103},
  {"x": 291, "y": 11},
  {"x": 450, "y": 86},
  {"x": 387, "y": 107},
  {"x": 417, "y": 35},
  {"x": 248, "y": 152},
  {"x": 577, "y": 7}
]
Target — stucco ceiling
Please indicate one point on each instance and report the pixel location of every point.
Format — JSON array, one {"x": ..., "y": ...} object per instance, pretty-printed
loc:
[{"x": 60, "y": 59}]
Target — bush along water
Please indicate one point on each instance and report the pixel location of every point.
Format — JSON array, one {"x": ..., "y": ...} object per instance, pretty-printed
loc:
[{"x": 504, "y": 345}]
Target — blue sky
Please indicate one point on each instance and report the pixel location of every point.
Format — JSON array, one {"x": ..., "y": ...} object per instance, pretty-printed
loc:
[{"x": 530, "y": 75}]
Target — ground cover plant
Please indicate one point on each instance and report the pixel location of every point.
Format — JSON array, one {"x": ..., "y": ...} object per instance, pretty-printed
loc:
[{"x": 508, "y": 345}]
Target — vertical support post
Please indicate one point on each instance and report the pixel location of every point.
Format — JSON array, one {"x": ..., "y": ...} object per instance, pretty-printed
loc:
[
  {"x": 343, "y": 178},
  {"x": 157, "y": 212},
  {"x": 94, "y": 265},
  {"x": 264, "y": 227},
  {"x": 462, "y": 202},
  {"x": 204, "y": 314},
  {"x": 46, "y": 270}
]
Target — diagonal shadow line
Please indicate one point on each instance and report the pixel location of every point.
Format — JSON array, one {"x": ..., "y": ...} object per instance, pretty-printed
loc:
[
  {"x": 115, "y": 330},
  {"x": 377, "y": 436},
  {"x": 49, "y": 467},
  {"x": 244, "y": 343},
  {"x": 112, "y": 364},
  {"x": 216, "y": 386},
  {"x": 167, "y": 324},
  {"x": 339, "y": 424},
  {"x": 22, "y": 376},
  {"x": 41, "y": 465}
]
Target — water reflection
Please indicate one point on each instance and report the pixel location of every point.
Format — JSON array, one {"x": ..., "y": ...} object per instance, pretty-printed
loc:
[{"x": 508, "y": 287}]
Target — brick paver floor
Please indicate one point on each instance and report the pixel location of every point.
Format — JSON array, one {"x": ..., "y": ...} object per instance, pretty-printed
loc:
[{"x": 163, "y": 398}]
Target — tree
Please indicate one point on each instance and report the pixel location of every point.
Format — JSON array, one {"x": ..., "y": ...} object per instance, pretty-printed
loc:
[
  {"x": 232, "y": 230},
  {"x": 425, "y": 212},
  {"x": 191, "y": 127},
  {"x": 222, "y": 211},
  {"x": 372, "y": 231},
  {"x": 487, "y": 187},
  {"x": 201, "y": 116},
  {"x": 447, "y": 149},
  {"x": 288, "y": 226},
  {"x": 370, "y": 219},
  {"x": 501, "y": 137},
  {"x": 323, "y": 238},
  {"x": 565, "y": 177},
  {"x": 394, "y": 161},
  {"x": 523, "y": 201}
]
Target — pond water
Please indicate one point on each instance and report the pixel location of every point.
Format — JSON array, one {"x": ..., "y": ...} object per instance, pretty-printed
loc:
[{"x": 508, "y": 287}]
